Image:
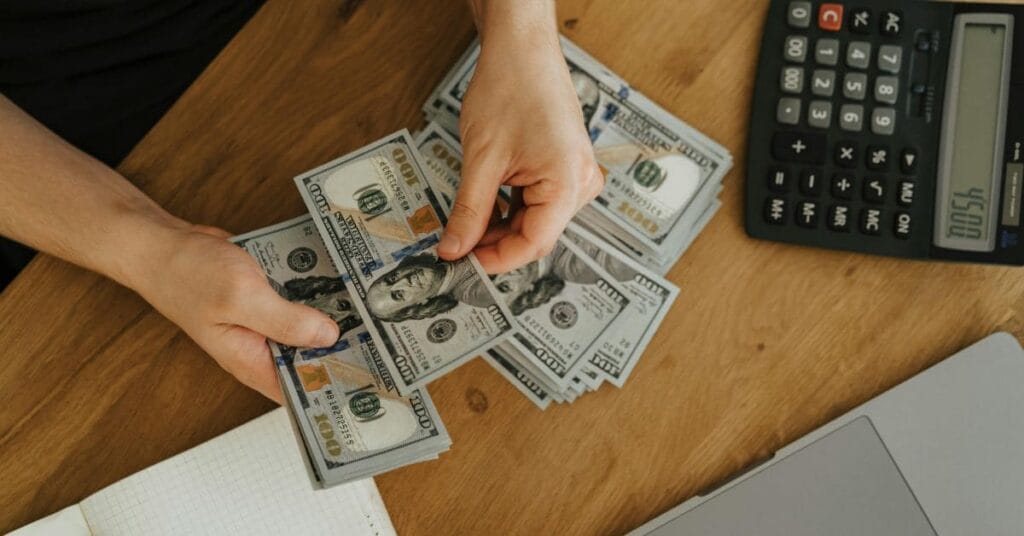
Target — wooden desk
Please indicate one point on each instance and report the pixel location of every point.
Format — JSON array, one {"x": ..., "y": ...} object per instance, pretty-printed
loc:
[{"x": 765, "y": 343}]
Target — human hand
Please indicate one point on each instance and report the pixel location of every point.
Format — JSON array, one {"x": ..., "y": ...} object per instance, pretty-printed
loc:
[
  {"x": 221, "y": 298},
  {"x": 521, "y": 125}
]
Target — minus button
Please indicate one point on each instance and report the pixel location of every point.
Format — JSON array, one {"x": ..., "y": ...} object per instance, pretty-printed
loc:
[{"x": 1012, "y": 185}]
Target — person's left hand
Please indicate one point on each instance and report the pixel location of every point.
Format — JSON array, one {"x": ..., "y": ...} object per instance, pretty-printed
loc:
[{"x": 521, "y": 126}]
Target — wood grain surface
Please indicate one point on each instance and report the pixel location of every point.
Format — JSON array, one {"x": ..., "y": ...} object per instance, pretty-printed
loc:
[{"x": 765, "y": 342}]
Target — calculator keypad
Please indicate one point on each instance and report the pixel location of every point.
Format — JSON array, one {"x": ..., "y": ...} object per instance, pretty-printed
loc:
[{"x": 841, "y": 82}]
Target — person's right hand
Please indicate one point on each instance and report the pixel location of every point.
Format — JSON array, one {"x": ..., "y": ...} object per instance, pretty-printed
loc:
[{"x": 221, "y": 298}]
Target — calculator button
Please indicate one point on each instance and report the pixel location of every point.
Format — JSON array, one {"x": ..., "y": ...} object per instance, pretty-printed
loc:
[
  {"x": 883, "y": 121},
  {"x": 846, "y": 154},
  {"x": 871, "y": 221},
  {"x": 839, "y": 218},
  {"x": 799, "y": 15},
  {"x": 891, "y": 23},
  {"x": 792, "y": 80},
  {"x": 775, "y": 211},
  {"x": 874, "y": 190},
  {"x": 887, "y": 89},
  {"x": 908, "y": 160},
  {"x": 778, "y": 180},
  {"x": 877, "y": 158},
  {"x": 807, "y": 214},
  {"x": 799, "y": 147},
  {"x": 830, "y": 17},
  {"x": 819, "y": 115},
  {"x": 851, "y": 117},
  {"x": 860, "y": 21},
  {"x": 789, "y": 111},
  {"x": 842, "y": 186},
  {"x": 826, "y": 52},
  {"x": 823, "y": 83},
  {"x": 905, "y": 194},
  {"x": 795, "y": 49},
  {"x": 810, "y": 182},
  {"x": 890, "y": 59},
  {"x": 902, "y": 225},
  {"x": 855, "y": 86},
  {"x": 858, "y": 55}
]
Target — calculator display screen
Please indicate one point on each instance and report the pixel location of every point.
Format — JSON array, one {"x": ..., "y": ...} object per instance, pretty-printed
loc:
[{"x": 967, "y": 221}]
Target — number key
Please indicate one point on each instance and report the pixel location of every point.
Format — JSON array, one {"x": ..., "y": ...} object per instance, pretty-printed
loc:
[
  {"x": 799, "y": 15},
  {"x": 858, "y": 55},
  {"x": 819, "y": 115},
  {"x": 796, "y": 48},
  {"x": 887, "y": 89},
  {"x": 883, "y": 121},
  {"x": 823, "y": 83},
  {"x": 792, "y": 80},
  {"x": 855, "y": 86},
  {"x": 851, "y": 117},
  {"x": 826, "y": 52},
  {"x": 890, "y": 59}
]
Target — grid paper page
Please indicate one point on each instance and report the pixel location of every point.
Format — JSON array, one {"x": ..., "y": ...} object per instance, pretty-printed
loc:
[{"x": 250, "y": 481}]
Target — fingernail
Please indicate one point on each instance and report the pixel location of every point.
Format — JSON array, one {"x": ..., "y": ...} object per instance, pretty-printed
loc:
[
  {"x": 327, "y": 334},
  {"x": 449, "y": 244}
]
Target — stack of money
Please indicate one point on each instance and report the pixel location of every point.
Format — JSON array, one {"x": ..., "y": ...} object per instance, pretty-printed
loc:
[
  {"x": 349, "y": 417},
  {"x": 585, "y": 313},
  {"x": 663, "y": 177}
]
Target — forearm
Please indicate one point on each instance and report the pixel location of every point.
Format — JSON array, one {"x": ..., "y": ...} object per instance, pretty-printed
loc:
[{"x": 61, "y": 201}]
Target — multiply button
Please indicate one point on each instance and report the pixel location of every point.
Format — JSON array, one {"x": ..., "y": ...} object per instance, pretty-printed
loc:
[
  {"x": 807, "y": 214},
  {"x": 800, "y": 147},
  {"x": 842, "y": 186},
  {"x": 846, "y": 154},
  {"x": 839, "y": 218},
  {"x": 902, "y": 225},
  {"x": 775, "y": 211},
  {"x": 830, "y": 17},
  {"x": 871, "y": 221}
]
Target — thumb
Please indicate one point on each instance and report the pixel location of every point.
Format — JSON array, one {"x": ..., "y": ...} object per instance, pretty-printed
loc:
[
  {"x": 472, "y": 208},
  {"x": 288, "y": 323}
]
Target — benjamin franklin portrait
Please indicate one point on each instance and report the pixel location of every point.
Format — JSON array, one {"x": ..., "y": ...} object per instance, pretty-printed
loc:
[
  {"x": 423, "y": 286},
  {"x": 540, "y": 281},
  {"x": 326, "y": 294}
]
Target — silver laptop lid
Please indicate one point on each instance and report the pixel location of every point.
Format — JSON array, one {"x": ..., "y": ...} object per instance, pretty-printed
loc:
[{"x": 945, "y": 445}]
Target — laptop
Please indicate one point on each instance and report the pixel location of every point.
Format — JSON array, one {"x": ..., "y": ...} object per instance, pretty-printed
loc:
[{"x": 940, "y": 454}]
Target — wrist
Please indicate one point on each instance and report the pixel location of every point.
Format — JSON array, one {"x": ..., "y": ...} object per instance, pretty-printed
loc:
[
  {"x": 516, "y": 24},
  {"x": 141, "y": 241}
]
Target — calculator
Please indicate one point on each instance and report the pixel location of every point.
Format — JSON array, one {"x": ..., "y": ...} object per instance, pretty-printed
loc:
[{"x": 890, "y": 127}]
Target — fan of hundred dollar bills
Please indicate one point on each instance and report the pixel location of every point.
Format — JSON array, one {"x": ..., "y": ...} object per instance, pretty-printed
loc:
[{"x": 556, "y": 328}]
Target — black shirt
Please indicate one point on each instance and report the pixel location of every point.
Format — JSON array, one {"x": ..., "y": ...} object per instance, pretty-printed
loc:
[{"x": 100, "y": 73}]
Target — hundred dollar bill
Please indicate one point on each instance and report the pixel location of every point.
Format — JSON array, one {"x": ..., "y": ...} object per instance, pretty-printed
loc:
[
  {"x": 563, "y": 303},
  {"x": 651, "y": 297},
  {"x": 352, "y": 422},
  {"x": 442, "y": 154},
  {"x": 654, "y": 162},
  {"x": 519, "y": 378},
  {"x": 381, "y": 221}
]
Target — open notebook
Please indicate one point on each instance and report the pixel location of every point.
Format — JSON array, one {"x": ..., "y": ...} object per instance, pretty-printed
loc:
[{"x": 250, "y": 481}]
